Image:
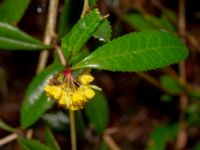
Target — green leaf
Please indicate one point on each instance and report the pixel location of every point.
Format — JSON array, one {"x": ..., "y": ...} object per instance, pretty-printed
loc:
[
  {"x": 64, "y": 21},
  {"x": 28, "y": 144},
  {"x": 197, "y": 146},
  {"x": 35, "y": 101},
  {"x": 194, "y": 94},
  {"x": 140, "y": 51},
  {"x": 80, "y": 126},
  {"x": 80, "y": 56},
  {"x": 148, "y": 22},
  {"x": 166, "y": 98},
  {"x": 97, "y": 112},
  {"x": 171, "y": 85},
  {"x": 161, "y": 135},
  {"x": 11, "y": 38},
  {"x": 92, "y": 2},
  {"x": 50, "y": 139},
  {"x": 6, "y": 127},
  {"x": 103, "y": 32},
  {"x": 169, "y": 14},
  {"x": 11, "y": 11},
  {"x": 138, "y": 22},
  {"x": 80, "y": 33}
]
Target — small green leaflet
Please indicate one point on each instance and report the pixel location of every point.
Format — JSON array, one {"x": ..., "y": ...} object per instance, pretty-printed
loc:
[
  {"x": 6, "y": 127},
  {"x": 143, "y": 22},
  {"x": 171, "y": 85},
  {"x": 35, "y": 102},
  {"x": 139, "y": 51},
  {"x": 50, "y": 139},
  {"x": 29, "y": 144},
  {"x": 103, "y": 32},
  {"x": 80, "y": 33},
  {"x": 11, "y": 11},
  {"x": 161, "y": 135},
  {"x": 11, "y": 38}
]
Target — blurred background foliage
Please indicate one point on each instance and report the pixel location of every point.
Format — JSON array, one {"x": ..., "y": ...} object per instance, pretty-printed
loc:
[{"x": 155, "y": 110}]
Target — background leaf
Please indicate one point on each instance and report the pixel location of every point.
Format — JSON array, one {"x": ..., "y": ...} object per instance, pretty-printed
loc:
[
  {"x": 80, "y": 126},
  {"x": 35, "y": 102},
  {"x": 11, "y": 38},
  {"x": 197, "y": 146},
  {"x": 28, "y": 144},
  {"x": 80, "y": 33},
  {"x": 140, "y": 51},
  {"x": 50, "y": 139},
  {"x": 103, "y": 32},
  {"x": 171, "y": 85},
  {"x": 161, "y": 135},
  {"x": 92, "y": 2},
  {"x": 64, "y": 20},
  {"x": 138, "y": 22},
  {"x": 97, "y": 112},
  {"x": 11, "y": 11},
  {"x": 143, "y": 22},
  {"x": 6, "y": 127}
]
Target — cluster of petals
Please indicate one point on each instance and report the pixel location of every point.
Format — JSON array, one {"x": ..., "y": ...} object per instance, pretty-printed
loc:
[{"x": 70, "y": 93}]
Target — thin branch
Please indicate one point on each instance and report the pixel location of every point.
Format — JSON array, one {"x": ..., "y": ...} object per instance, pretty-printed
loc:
[
  {"x": 29, "y": 134},
  {"x": 85, "y": 8},
  {"x": 109, "y": 140},
  {"x": 150, "y": 79},
  {"x": 72, "y": 129},
  {"x": 8, "y": 139},
  {"x": 49, "y": 33},
  {"x": 182, "y": 135},
  {"x": 60, "y": 55}
]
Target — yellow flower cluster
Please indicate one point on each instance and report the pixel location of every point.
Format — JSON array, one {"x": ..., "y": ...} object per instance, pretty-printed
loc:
[{"x": 70, "y": 93}]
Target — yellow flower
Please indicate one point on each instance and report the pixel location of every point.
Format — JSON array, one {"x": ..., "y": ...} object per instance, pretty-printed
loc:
[
  {"x": 88, "y": 92},
  {"x": 70, "y": 94},
  {"x": 77, "y": 101},
  {"x": 53, "y": 91},
  {"x": 86, "y": 78}
]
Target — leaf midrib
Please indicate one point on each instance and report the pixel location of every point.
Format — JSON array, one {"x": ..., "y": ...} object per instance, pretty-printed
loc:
[{"x": 133, "y": 52}]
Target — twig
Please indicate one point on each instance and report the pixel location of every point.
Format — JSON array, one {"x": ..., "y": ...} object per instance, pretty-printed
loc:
[
  {"x": 85, "y": 8},
  {"x": 29, "y": 133},
  {"x": 182, "y": 135},
  {"x": 150, "y": 79},
  {"x": 49, "y": 33},
  {"x": 109, "y": 140},
  {"x": 72, "y": 129},
  {"x": 8, "y": 139},
  {"x": 60, "y": 55}
]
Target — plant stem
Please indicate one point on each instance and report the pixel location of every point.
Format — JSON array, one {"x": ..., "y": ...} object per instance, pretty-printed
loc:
[
  {"x": 182, "y": 135},
  {"x": 49, "y": 32},
  {"x": 8, "y": 139},
  {"x": 72, "y": 129},
  {"x": 85, "y": 8}
]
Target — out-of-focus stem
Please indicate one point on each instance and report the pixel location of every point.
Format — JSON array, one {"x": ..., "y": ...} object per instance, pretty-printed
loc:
[
  {"x": 85, "y": 8},
  {"x": 49, "y": 32},
  {"x": 72, "y": 129},
  {"x": 8, "y": 139},
  {"x": 182, "y": 134}
]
